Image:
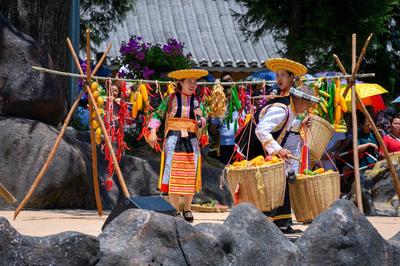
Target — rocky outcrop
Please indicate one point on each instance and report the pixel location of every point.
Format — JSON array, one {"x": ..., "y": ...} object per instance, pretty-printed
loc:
[
  {"x": 343, "y": 236},
  {"x": 67, "y": 248},
  {"x": 67, "y": 183},
  {"x": 25, "y": 92}
]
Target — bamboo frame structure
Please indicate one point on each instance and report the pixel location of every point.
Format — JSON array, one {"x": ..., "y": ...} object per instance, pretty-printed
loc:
[
  {"x": 395, "y": 178},
  {"x": 53, "y": 151}
]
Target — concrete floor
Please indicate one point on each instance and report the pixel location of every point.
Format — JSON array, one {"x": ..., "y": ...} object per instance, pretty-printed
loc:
[{"x": 47, "y": 222}]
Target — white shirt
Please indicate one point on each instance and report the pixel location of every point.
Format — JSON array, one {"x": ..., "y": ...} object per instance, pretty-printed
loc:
[{"x": 274, "y": 116}]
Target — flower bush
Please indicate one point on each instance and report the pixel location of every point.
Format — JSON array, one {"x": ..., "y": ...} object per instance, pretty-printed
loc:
[{"x": 153, "y": 61}]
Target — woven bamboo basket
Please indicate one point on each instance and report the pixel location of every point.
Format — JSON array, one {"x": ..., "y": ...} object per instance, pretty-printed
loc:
[
  {"x": 318, "y": 137},
  {"x": 263, "y": 186},
  {"x": 311, "y": 195}
]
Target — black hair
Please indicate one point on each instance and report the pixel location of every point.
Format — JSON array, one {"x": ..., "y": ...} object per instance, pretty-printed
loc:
[
  {"x": 396, "y": 116},
  {"x": 361, "y": 118}
]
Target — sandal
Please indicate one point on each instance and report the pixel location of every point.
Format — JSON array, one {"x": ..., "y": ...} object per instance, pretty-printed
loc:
[{"x": 188, "y": 216}]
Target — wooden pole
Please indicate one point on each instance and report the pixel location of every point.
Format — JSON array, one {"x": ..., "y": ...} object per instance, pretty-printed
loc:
[
  {"x": 357, "y": 66},
  {"x": 355, "y": 129},
  {"x": 95, "y": 171},
  {"x": 50, "y": 158},
  {"x": 6, "y": 194}
]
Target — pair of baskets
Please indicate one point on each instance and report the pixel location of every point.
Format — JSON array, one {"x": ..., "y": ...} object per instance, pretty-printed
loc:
[{"x": 263, "y": 186}]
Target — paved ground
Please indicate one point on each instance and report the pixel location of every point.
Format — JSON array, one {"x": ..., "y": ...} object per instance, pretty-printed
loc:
[{"x": 46, "y": 222}]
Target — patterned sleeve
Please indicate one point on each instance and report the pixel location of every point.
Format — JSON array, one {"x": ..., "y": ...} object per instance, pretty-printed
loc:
[{"x": 159, "y": 115}]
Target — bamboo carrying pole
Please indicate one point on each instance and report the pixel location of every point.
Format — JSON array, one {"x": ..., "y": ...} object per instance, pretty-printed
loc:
[
  {"x": 95, "y": 173},
  {"x": 355, "y": 128}
]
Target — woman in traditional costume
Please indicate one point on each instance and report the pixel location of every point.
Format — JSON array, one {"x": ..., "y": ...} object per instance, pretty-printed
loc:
[
  {"x": 180, "y": 173},
  {"x": 276, "y": 127}
]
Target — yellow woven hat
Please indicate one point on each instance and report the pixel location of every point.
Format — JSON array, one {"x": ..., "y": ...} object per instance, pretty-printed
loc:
[
  {"x": 276, "y": 64},
  {"x": 188, "y": 74}
]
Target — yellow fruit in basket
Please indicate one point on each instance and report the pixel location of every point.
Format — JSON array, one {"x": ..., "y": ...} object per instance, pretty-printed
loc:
[
  {"x": 94, "y": 86},
  {"x": 257, "y": 159},
  {"x": 275, "y": 159},
  {"x": 300, "y": 176},
  {"x": 319, "y": 171},
  {"x": 330, "y": 171}
]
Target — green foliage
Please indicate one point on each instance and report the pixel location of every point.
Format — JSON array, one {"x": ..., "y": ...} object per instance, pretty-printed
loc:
[
  {"x": 102, "y": 17},
  {"x": 312, "y": 30}
]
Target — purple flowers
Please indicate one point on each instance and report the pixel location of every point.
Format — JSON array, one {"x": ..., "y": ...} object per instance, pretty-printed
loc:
[{"x": 153, "y": 61}]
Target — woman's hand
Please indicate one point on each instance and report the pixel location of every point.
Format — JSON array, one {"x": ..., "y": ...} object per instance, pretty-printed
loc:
[
  {"x": 152, "y": 139},
  {"x": 284, "y": 153},
  {"x": 307, "y": 121}
]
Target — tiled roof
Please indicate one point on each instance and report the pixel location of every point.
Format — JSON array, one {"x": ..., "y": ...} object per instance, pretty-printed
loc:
[{"x": 207, "y": 28}]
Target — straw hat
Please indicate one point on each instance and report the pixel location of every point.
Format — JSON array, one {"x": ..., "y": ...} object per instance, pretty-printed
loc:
[
  {"x": 188, "y": 74},
  {"x": 276, "y": 64}
]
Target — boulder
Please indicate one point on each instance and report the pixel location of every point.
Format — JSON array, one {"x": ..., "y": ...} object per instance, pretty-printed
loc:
[
  {"x": 67, "y": 183},
  {"x": 395, "y": 242},
  {"x": 142, "y": 237},
  {"x": 25, "y": 145},
  {"x": 258, "y": 241},
  {"x": 25, "y": 92},
  {"x": 384, "y": 196},
  {"x": 343, "y": 236},
  {"x": 67, "y": 248}
]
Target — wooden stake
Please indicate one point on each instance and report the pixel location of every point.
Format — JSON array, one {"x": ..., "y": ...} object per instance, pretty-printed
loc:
[
  {"x": 6, "y": 194},
  {"x": 355, "y": 129},
  {"x": 95, "y": 172},
  {"x": 50, "y": 158}
]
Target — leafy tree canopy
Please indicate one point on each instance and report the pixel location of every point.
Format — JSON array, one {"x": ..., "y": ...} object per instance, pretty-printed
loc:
[
  {"x": 312, "y": 30},
  {"x": 102, "y": 17}
]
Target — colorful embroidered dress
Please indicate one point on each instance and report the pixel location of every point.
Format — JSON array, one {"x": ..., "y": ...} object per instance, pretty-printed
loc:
[{"x": 180, "y": 170}]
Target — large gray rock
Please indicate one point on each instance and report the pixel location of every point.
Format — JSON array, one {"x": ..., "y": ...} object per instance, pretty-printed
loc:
[
  {"x": 23, "y": 91},
  {"x": 141, "y": 237},
  {"x": 25, "y": 146},
  {"x": 395, "y": 242},
  {"x": 343, "y": 236},
  {"x": 67, "y": 248},
  {"x": 384, "y": 196},
  {"x": 257, "y": 240}
]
